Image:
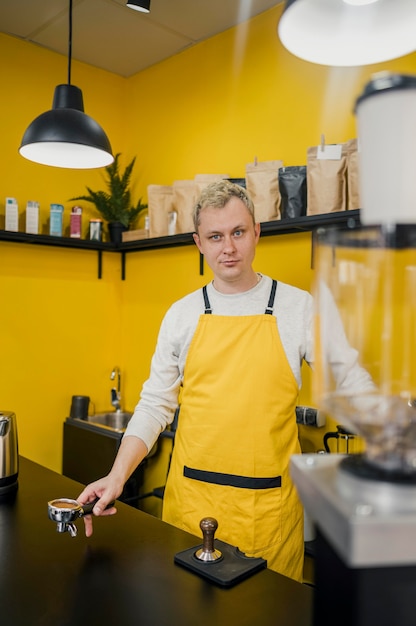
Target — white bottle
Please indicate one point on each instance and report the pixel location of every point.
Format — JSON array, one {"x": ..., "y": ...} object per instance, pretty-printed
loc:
[
  {"x": 32, "y": 217},
  {"x": 12, "y": 215}
]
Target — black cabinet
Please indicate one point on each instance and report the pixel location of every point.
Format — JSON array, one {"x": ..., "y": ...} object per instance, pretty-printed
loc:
[{"x": 88, "y": 454}]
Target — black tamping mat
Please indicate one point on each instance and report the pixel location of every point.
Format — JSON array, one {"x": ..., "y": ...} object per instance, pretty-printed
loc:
[{"x": 233, "y": 567}]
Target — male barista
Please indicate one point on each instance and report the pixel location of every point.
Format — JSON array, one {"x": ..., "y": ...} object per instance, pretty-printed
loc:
[{"x": 233, "y": 350}]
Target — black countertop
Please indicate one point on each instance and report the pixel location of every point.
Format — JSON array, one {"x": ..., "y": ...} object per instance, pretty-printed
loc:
[{"x": 124, "y": 575}]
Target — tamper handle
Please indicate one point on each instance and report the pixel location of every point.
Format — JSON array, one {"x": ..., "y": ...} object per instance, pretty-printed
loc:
[
  {"x": 208, "y": 525},
  {"x": 208, "y": 553}
]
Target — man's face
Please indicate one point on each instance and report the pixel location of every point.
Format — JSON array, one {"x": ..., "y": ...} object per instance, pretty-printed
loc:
[{"x": 227, "y": 238}]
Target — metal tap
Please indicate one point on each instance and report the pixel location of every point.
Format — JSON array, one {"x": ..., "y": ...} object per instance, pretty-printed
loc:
[{"x": 116, "y": 391}]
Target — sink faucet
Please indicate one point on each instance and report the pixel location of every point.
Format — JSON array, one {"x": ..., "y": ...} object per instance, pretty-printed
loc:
[{"x": 116, "y": 391}]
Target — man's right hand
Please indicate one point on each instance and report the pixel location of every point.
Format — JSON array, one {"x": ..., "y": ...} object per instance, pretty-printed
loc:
[
  {"x": 131, "y": 452},
  {"x": 106, "y": 492}
]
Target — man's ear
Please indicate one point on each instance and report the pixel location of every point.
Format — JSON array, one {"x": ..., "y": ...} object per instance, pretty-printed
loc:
[
  {"x": 197, "y": 241},
  {"x": 257, "y": 230}
]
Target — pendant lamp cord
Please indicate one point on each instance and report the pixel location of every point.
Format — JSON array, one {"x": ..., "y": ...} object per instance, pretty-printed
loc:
[{"x": 70, "y": 42}]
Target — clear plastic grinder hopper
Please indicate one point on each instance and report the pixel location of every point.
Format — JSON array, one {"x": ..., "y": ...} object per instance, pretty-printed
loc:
[
  {"x": 366, "y": 283},
  {"x": 367, "y": 288},
  {"x": 364, "y": 505}
]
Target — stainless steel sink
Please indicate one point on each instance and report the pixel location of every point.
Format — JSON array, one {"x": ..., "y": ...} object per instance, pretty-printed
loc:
[{"x": 116, "y": 420}]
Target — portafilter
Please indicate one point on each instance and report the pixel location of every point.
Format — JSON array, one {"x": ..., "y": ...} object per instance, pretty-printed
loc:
[{"x": 65, "y": 511}]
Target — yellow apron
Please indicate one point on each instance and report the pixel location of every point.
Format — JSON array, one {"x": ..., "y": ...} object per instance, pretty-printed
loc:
[{"x": 236, "y": 432}]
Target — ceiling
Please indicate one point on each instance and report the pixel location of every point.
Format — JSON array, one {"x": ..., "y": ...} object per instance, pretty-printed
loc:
[{"x": 109, "y": 35}]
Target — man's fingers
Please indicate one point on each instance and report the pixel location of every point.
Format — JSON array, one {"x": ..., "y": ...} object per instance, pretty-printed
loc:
[{"x": 88, "y": 525}]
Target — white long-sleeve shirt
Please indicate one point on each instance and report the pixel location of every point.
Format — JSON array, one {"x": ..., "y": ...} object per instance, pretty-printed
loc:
[{"x": 293, "y": 309}]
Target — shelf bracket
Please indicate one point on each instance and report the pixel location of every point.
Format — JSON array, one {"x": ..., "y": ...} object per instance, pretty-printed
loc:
[
  {"x": 201, "y": 264},
  {"x": 123, "y": 265},
  {"x": 100, "y": 263}
]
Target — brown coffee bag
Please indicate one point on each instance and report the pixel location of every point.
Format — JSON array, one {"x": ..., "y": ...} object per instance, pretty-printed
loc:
[
  {"x": 326, "y": 179},
  {"x": 184, "y": 200},
  {"x": 262, "y": 183},
  {"x": 353, "y": 179},
  {"x": 203, "y": 180},
  {"x": 160, "y": 201}
]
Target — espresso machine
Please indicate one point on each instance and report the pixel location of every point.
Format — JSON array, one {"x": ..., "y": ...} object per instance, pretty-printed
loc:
[{"x": 363, "y": 505}]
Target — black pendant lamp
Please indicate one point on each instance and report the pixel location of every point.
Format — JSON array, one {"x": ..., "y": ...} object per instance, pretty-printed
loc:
[
  {"x": 65, "y": 136},
  {"x": 348, "y": 32},
  {"x": 139, "y": 5}
]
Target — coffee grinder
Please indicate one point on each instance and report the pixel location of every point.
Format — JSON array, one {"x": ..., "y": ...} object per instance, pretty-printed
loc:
[{"x": 364, "y": 506}]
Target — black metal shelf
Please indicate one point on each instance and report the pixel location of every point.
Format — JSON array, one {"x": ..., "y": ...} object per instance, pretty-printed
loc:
[
  {"x": 50, "y": 240},
  {"x": 310, "y": 223},
  {"x": 278, "y": 227}
]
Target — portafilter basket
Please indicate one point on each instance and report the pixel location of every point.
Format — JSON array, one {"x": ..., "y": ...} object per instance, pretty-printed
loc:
[{"x": 65, "y": 512}]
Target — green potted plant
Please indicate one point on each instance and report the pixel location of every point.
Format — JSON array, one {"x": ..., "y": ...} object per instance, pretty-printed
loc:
[{"x": 115, "y": 204}]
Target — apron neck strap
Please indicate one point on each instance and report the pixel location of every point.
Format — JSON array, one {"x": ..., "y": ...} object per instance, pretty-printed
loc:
[
  {"x": 208, "y": 309},
  {"x": 270, "y": 304},
  {"x": 269, "y": 308}
]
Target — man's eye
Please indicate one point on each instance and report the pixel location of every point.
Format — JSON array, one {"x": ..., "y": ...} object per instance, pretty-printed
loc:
[
  {"x": 238, "y": 233},
  {"x": 215, "y": 237}
]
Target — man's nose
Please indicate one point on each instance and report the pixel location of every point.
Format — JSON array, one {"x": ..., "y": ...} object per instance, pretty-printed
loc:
[{"x": 229, "y": 244}]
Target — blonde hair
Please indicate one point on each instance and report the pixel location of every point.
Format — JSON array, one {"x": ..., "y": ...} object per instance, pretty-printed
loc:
[{"x": 217, "y": 195}]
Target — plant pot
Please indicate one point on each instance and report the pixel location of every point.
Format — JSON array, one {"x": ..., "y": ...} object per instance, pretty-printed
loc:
[{"x": 116, "y": 230}]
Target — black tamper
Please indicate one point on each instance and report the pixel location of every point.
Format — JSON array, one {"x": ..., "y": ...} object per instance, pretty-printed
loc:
[{"x": 208, "y": 553}]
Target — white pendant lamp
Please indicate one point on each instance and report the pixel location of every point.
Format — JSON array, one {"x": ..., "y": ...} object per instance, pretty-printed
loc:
[
  {"x": 348, "y": 32},
  {"x": 65, "y": 136},
  {"x": 139, "y": 5}
]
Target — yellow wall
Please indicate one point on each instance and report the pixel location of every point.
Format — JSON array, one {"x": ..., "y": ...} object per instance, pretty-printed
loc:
[
  {"x": 212, "y": 108},
  {"x": 237, "y": 96}
]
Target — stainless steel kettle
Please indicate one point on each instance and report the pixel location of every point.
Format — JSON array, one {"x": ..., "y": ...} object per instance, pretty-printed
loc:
[{"x": 9, "y": 453}]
